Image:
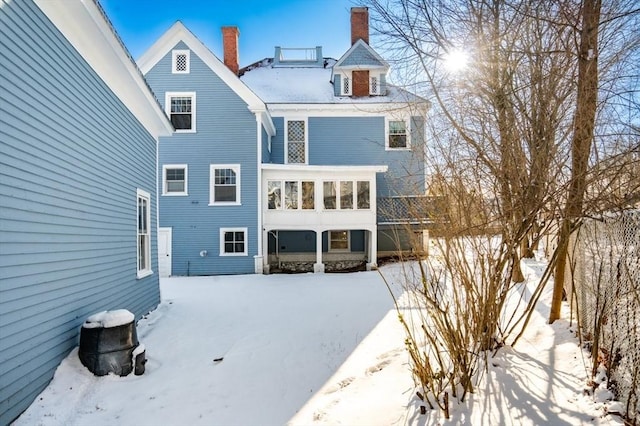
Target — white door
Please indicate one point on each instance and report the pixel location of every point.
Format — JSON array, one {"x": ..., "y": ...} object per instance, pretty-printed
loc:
[{"x": 164, "y": 252}]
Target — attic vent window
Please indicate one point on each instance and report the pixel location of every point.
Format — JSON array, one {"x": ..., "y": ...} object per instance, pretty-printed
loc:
[
  {"x": 296, "y": 141},
  {"x": 346, "y": 85},
  {"x": 374, "y": 87},
  {"x": 180, "y": 61}
]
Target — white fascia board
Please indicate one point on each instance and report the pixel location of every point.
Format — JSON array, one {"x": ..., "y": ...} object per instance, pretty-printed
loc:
[
  {"x": 332, "y": 169},
  {"x": 84, "y": 25},
  {"x": 341, "y": 110},
  {"x": 267, "y": 121},
  {"x": 177, "y": 33}
]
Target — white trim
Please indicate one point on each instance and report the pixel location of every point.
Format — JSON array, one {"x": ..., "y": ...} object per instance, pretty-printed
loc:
[
  {"x": 141, "y": 273},
  {"x": 330, "y": 250},
  {"x": 212, "y": 169},
  {"x": 174, "y": 54},
  {"x": 375, "y": 78},
  {"x": 407, "y": 123},
  {"x": 306, "y": 138},
  {"x": 167, "y": 108},
  {"x": 84, "y": 25},
  {"x": 327, "y": 169},
  {"x": 346, "y": 109},
  {"x": 246, "y": 241},
  {"x": 346, "y": 76},
  {"x": 164, "y": 179}
]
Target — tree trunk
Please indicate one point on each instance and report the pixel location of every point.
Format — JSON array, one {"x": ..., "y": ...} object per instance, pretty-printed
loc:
[{"x": 583, "y": 125}]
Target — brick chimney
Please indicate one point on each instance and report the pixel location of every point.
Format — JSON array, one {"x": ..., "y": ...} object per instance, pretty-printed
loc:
[
  {"x": 359, "y": 24},
  {"x": 230, "y": 48}
]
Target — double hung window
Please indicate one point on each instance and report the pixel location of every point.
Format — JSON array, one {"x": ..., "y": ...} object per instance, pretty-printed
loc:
[
  {"x": 397, "y": 134},
  {"x": 181, "y": 110},
  {"x": 174, "y": 179},
  {"x": 144, "y": 233},
  {"x": 225, "y": 184}
]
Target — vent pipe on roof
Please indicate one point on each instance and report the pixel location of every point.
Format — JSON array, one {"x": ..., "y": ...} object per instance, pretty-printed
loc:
[
  {"x": 230, "y": 48},
  {"x": 359, "y": 24}
]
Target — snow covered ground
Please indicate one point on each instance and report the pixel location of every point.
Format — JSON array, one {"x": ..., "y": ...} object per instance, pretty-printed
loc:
[{"x": 322, "y": 349}]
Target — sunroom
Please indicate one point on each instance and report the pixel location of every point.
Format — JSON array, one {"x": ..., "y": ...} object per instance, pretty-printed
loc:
[{"x": 319, "y": 218}]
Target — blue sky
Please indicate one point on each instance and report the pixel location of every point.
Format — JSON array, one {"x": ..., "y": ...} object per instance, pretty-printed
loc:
[{"x": 263, "y": 24}]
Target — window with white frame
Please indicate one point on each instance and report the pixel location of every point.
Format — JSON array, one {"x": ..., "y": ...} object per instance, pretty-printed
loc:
[
  {"x": 181, "y": 110},
  {"x": 329, "y": 195},
  {"x": 233, "y": 241},
  {"x": 143, "y": 233},
  {"x": 174, "y": 179},
  {"x": 224, "y": 184},
  {"x": 346, "y": 84},
  {"x": 297, "y": 195},
  {"x": 296, "y": 134},
  {"x": 346, "y": 195},
  {"x": 374, "y": 86},
  {"x": 397, "y": 134},
  {"x": 339, "y": 241},
  {"x": 363, "y": 198},
  {"x": 180, "y": 61}
]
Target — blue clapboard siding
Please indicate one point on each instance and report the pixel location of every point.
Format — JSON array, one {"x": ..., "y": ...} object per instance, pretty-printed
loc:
[
  {"x": 360, "y": 141},
  {"x": 305, "y": 241},
  {"x": 266, "y": 152},
  {"x": 226, "y": 134},
  {"x": 71, "y": 158},
  {"x": 361, "y": 57}
]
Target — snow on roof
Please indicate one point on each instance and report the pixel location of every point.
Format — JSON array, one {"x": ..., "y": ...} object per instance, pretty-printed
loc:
[{"x": 308, "y": 85}]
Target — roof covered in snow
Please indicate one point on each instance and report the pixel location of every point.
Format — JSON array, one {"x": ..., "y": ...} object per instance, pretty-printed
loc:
[{"x": 308, "y": 85}]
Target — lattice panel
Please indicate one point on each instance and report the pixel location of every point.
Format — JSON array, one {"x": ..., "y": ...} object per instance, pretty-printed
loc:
[
  {"x": 295, "y": 131},
  {"x": 296, "y": 152}
]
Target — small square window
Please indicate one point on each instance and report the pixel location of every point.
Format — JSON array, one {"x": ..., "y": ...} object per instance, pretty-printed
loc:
[
  {"x": 339, "y": 240},
  {"x": 233, "y": 241},
  {"x": 180, "y": 61},
  {"x": 174, "y": 177},
  {"x": 397, "y": 134}
]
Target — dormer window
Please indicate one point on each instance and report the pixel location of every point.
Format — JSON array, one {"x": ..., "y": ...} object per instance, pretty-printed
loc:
[
  {"x": 346, "y": 85},
  {"x": 180, "y": 61},
  {"x": 374, "y": 86}
]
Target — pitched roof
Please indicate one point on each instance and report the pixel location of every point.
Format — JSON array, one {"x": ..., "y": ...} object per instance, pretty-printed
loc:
[
  {"x": 361, "y": 55},
  {"x": 85, "y": 25},
  {"x": 177, "y": 33},
  {"x": 307, "y": 85}
]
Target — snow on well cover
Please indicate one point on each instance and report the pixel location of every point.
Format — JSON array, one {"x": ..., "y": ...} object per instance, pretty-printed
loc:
[{"x": 109, "y": 319}]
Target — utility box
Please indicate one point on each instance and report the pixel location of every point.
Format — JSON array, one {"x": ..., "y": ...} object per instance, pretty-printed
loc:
[{"x": 109, "y": 344}]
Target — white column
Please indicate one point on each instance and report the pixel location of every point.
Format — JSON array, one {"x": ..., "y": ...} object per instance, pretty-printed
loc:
[
  {"x": 373, "y": 249},
  {"x": 318, "y": 267}
]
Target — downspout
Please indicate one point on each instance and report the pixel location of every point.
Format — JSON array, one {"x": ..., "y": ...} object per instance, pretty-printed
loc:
[{"x": 259, "y": 260}]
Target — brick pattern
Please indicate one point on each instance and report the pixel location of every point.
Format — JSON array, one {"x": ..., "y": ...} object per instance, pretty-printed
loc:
[
  {"x": 230, "y": 48},
  {"x": 359, "y": 24},
  {"x": 360, "y": 83}
]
